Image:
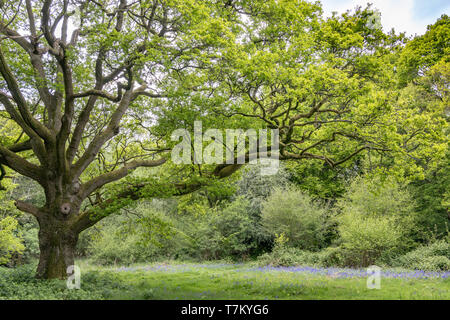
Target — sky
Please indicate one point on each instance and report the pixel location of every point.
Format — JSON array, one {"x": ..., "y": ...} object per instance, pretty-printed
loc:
[{"x": 410, "y": 16}]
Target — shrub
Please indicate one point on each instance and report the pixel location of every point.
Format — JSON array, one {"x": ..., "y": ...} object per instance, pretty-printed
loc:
[
  {"x": 228, "y": 232},
  {"x": 330, "y": 257},
  {"x": 288, "y": 256},
  {"x": 294, "y": 214},
  {"x": 283, "y": 255},
  {"x": 376, "y": 222},
  {"x": 436, "y": 263},
  {"x": 112, "y": 248},
  {"x": 433, "y": 257},
  {"x": 365, "y": 239},
  {"x": 29, "y": 233},
  {"x": 124, "y": 240},
  {"x": 256, "y": 187},
  {"x": 375, "y": 197}
]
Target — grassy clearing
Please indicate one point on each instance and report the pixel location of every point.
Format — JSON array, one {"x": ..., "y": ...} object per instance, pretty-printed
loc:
[
  {"x": 223, "y": 281},
  {"x": 242, "y": 282}
]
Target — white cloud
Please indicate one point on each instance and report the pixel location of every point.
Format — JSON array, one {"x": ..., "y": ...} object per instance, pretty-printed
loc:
[{"x": 397, "y": 14}]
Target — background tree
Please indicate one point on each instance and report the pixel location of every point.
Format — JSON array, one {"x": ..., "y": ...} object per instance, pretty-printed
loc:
[{"x": 424, "y": 76}]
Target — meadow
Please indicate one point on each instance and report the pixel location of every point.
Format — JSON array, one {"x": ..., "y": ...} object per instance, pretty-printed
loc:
[{"x": 225, "y": 281}]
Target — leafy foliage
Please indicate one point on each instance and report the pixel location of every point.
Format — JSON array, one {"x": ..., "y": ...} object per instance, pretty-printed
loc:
[
  {"x": 297, "y": 216},
  {"x": 365, "y": 239},
  {"x": 10, "y": 243},
  {"x": 432, "y": 199},
  {"x": 229, "y": 232},
  {"x": 376, "y": 221},
  {"x": 434, "y": 257},
  {"x": 130, "y": 239}
]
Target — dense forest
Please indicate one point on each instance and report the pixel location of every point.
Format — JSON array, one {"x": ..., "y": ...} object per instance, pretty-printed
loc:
[{"x": 91, "y": 93}]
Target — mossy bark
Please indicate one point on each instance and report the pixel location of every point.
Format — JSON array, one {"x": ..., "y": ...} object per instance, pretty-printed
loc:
[{"x": 57, "y": 246}]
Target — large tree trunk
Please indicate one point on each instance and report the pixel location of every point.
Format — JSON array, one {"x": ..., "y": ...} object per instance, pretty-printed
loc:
[{"x": 57, "y": 245}]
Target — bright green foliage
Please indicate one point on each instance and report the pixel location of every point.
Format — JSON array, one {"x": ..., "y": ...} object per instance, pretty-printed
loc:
[
  {"x": 141, "y": 234},
  {"x": 374, "y": 196},
  {"x": 378, "y": 197},
  {"x": 26, "y": 225},
  {"x": 10, "y": 243},
  {"x": 377, "y": 220},
  {"x": 297, "y": 216},
  {"x": 422, "y": 100},
  {"x": 7, "y": 208},
  {"x": 425, "y": 51},
  {"x": 364, "y": 239},
  {"x": 20, "y": 233}
]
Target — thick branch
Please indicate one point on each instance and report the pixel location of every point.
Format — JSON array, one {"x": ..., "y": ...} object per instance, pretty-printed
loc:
[
  {"x": 36, "y": 143},
  {"x": 13, "y": 87},
  {"x": 20, "y": 147},
  {"x": 88, "y": 218},
  {"x": 20, "y": 165},
  {"x": 34, "y": 53},
  {"x": 115, "y": 175},
  {"x": 96, "y": 144},
  {"x": 28, "y": 208}
]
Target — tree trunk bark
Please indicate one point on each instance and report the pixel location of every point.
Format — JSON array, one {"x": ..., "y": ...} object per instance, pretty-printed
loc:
[{"x": 57, "y": 246}]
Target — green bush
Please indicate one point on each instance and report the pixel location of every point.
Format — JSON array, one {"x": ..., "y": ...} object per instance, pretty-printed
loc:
[
  {"x": 142, "y": 237},
  {"x": 436, "y": 263},
  {"x": 376, "y": 197},
  {"x": 29, "y": 232},
  {"x": 288, "y": 256},
  {"x": 112, "y": 248},
  {"x": 330, "y": 257},
  {"x": 225, "y": 232},
  {"x": 294, "y": 214},
  {"x": 433, "y": 257},
  {"x": 376, "y": 222},
  {"x": 283, "y": 255},
  {"x": 366, "y": 239}
]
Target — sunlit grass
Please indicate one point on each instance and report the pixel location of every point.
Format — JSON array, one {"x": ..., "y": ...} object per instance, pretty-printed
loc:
[
  {"x": 223, "y": 281},
  {"x": 228, "y": 281}
]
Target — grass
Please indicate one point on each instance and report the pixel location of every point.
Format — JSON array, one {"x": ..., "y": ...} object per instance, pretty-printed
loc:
[{"x": 215, "y": 281}]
